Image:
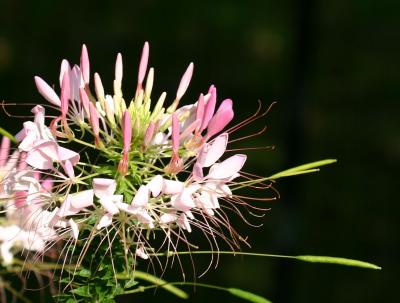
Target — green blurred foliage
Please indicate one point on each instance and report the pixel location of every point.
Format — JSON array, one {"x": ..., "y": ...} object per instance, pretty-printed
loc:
[{"x": 336, "y": 83}]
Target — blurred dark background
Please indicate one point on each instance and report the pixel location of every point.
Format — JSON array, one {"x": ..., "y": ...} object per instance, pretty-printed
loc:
[{"x": 332, "y": 66}]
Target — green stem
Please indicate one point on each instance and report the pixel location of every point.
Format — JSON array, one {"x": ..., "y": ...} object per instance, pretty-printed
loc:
[
  {"x": 304, "y": 258},
  {"x": 144, "y": 288},
  {"x": 84, "y": 143},
  {"x": 208, "y": 252},
  {"x": 5, "y": 133},
  {"x": 298, "y": 170},
  {"x": 153, "y": 280}
]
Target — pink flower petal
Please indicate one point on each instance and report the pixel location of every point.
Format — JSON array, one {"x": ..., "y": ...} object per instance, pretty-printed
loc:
[
  {"x": 81, "y": 199},
  {"x": 197, "y": 172},
  {"x": 172, "y": 187},
  {"x": 67, "y": 154},
  {"x": 43, "y": 155},
  {"x": 183, "y": 222},
  {"x": 27, "y": 136},
  {"x": 183, "y": 201},
  {"x": 76, "y": 82},
  {"x": 156, "y": 185},
  {"x": 221, "y": 118},
  {"x": 209, "y": 108},
  {"x": 66, "y": 209},
  {"x": 140, "y": 252},
  {"x": 211, "y": 152},
  {"x": 74, "y": 228},
  {"x": 103, "y": 187},
  {"x": 144, "y": 217},
  {"x": 47, "y": 92},
  {"x": 109, "y": 205},
  {"x": 190, "y": 129},
  {"x": 122, "y": 205},
  {"x": 12, "y": 162},
  {"x": 47, "y": 185},
  {"x": 167, "y": 218},
  {"x": 39, "y": 111},
  {"x": 69, "y": 169},
  {"x": 105, "y": 221},
  {"x": 228, "y": 168},
  {"x": 142, "y": 197}
]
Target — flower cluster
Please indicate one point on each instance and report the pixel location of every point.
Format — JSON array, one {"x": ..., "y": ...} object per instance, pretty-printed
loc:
[
  {"x": 103, "y": 177},
  {"x": 105, "y": 165}
]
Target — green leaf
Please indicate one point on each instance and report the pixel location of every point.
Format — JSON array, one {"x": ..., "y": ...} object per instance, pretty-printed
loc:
[
  {"x": 82, "y": 291},
  {"x": 336, "y": 260},
  {"x": 84, "y": 273},
  {"x": 247, "y": 295},
  {"x": 132, "y": 282}
]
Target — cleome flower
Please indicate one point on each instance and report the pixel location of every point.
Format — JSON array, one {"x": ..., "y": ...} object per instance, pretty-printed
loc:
[{"x": 122, "y": 170}]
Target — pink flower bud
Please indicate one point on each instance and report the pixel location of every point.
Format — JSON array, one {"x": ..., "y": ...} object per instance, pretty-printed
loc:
[
  {"x": 143, "y": 66},
  {"x": 183, "y": 85},
  {"x": 65, "y": 67},
  {"x": 118, "y": 68},
  {"x": 85, "y": 67},
  {"x": 47, "y": 92},
  {"x": 98, "y": 86},
  {"x": 200, "y": 108},
  {"x": 65, "y": 94},
  {"x": 127, "y": 131}
]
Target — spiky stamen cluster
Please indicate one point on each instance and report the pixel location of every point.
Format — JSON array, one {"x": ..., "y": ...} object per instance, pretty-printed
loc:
[{"x": 156, "y": 169}]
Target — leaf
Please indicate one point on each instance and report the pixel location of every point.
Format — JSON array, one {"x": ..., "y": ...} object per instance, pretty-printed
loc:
[
  {"x": 336, "y": 260},
  {"x": 132, "y": 282},
  {"x": 82, "y": 291},
  {"x": 247, "y": 295},
  {"x": 84, "y": 273}
]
